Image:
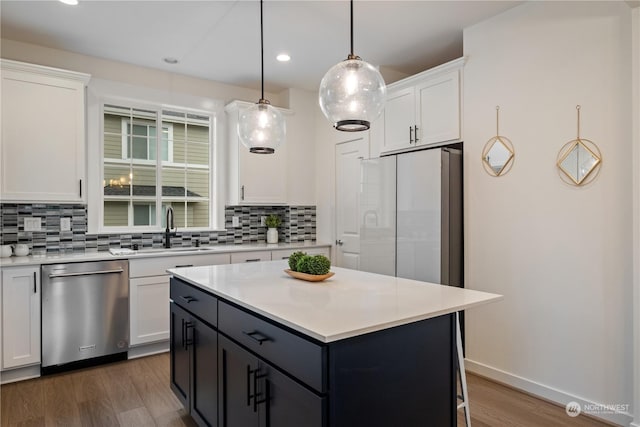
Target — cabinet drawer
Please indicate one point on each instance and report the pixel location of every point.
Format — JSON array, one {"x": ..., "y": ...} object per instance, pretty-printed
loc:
[
  {"x": 293, "y": 354},
  {"x": 255, "y": 256},
  {"x": 159, "y": 266},
  {"x": 195, "y": 301}
]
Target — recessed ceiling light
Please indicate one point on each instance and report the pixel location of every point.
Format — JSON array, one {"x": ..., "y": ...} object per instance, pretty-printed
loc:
[
  {"x": 170, "y": 60},
  {"x": 69, "y": 2},
  {"x": 283, "y": 57}
]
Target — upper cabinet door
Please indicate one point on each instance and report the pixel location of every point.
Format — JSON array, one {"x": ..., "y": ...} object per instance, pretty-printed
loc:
[
  {"x": 399, "y": 120},
  {"x": 43, "y": 133},
  {"x": 253, "y": 178},
  {"x": 438, "y": 105}
]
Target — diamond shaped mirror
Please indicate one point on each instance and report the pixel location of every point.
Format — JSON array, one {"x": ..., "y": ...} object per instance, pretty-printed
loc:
[
  {"x": 498, "y": 155},
  {"x": 578, "y": 160}
]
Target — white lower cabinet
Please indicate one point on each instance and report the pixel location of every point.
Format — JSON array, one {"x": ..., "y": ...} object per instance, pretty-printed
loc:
[
  {"x": 149, "y": 294},
  {"x": 20, "y": 317},
  {"x": 253, "y": 256},
  {"x": 147, "y": 297}
]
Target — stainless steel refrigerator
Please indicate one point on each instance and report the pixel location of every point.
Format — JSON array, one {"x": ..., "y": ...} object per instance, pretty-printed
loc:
[{"x": 411, "y": 216}]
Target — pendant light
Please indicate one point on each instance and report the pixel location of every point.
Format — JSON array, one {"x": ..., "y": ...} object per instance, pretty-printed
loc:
[
  {"x": 352, "y": 93},
  {"x": 261, "y": 127}
]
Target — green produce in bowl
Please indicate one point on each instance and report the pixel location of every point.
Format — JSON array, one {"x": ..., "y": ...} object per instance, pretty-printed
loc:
[
  {"x": 313, "y": 264},
  {"x": 294, "y": 258}
]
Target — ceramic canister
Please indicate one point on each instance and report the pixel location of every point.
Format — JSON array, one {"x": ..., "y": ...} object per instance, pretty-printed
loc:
[{"x": 5, "y": 251}]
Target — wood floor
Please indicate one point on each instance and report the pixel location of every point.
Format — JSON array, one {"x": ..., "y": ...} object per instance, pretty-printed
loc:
[{"x": 136, "y": 393}]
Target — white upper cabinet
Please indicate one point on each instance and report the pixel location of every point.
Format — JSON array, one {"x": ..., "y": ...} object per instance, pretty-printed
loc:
[
  {"x": 43, "y": 133},
  {"x": 423, "y": 110},
  {"x": 254, "y": 178},
  {"x": 399, "y": 119}
]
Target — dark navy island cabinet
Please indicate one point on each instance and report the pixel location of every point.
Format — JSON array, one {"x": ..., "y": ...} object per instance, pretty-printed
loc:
[{"x": 231, "y": 367}]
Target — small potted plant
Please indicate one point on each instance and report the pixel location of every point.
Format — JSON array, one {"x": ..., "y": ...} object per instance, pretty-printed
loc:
[{"x": 272, "y": 222}]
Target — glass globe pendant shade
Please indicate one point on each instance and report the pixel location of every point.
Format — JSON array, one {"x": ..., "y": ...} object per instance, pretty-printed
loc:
[
  {"x": 261, "y": 128},
  {"x": 352, "y": 94}
]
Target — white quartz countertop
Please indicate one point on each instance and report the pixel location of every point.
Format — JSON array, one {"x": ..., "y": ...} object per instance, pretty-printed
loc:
[
  {"x": 15, "y": 261},
  {"x": 348, "y": 304}
]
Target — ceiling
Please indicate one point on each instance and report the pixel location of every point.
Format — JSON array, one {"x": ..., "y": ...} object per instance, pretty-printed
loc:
[{"x": 220, "y": 40}]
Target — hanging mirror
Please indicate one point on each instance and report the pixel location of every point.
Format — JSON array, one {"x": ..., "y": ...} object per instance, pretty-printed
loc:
[
  {"x": 579, "y": 160},
  {"x": 498, "y": 154}
]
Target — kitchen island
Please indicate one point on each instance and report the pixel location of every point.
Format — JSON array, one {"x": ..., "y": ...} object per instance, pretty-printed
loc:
[{"x": 252, "y": 346}]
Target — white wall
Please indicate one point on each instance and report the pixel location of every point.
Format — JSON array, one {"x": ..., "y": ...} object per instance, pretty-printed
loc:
[
  {"x": 301, "y": 134},
  {"x": 560, "y": 255}
]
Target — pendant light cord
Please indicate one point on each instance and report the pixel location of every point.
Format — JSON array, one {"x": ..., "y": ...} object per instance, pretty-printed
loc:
[
  {"x": 351, "y": 27},
  {"x": 261, "y": 53}
]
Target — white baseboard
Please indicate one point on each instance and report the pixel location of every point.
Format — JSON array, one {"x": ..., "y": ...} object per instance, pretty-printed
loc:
[
  {"x": 545, "y": 392},
  {"x": 148, "y": 349},
  {"x": 20, "y": 374}
]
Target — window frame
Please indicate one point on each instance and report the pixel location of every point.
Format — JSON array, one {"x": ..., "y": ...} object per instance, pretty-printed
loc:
[{"x": 160, "y": 201}]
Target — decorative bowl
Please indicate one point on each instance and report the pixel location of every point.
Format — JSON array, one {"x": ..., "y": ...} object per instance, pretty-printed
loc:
[{"x": 309, "y": 277}]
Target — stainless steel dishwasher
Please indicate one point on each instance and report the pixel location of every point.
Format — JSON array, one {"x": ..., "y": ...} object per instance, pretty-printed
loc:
[{"x": 85, "y": 314}]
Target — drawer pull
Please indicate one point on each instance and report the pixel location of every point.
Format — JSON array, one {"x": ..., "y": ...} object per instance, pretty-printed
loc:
[
  {"x": 188, "y": 298},
  {"x": 257, "y": 336},
  {"x": 252, "y": 260},
  {"x": 184, "y": 265}
]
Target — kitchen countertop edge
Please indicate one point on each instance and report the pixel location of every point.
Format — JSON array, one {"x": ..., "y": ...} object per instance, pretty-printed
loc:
[{"x": 34, "y": 260}]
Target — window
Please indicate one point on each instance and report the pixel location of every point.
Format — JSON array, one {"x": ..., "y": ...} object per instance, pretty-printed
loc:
[
  {"x": 139, "y": 185},
  {"x": 142, "y": 143}
]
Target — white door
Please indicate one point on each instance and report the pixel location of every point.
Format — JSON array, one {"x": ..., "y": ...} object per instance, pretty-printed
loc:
[
  {"x": 20, "y": 317},
  {"x": 348, "y": 157}
]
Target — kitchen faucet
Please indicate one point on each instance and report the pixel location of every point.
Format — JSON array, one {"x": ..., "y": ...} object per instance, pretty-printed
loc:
[{"x": 167, "y": 232}]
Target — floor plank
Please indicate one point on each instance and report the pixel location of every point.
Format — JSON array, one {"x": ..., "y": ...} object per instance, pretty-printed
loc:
[
  {"x": 97, "y": 413},
  {"x": 25, "y": 402},
  {"x": 138, "y": 417},
  {"x": 59, "y": 410}
]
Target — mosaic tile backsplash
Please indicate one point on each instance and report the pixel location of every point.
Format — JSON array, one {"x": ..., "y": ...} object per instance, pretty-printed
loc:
[{"x": 298, "y": 225}]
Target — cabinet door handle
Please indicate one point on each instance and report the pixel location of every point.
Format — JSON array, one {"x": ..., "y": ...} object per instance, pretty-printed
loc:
[
  {"x": 415, "y": 133},
  {"x": 257, "y": 336},
  {"x": 182, "y": 335},
  {"x": 35, "y": 284},
  {"x": 410, "y": 134},
  {"x": 188, "y": 341},
  {"x": 242, "y": 193},
  {"x": 256, "y": 376},
  {"x": 188, "y": 298},
  {"x": 249, "y": 395},
  {"x": 80, "y": 188}
]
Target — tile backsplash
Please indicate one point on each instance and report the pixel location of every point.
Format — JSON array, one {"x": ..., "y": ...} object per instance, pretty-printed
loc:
[{"x": 298, "y": 225}]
